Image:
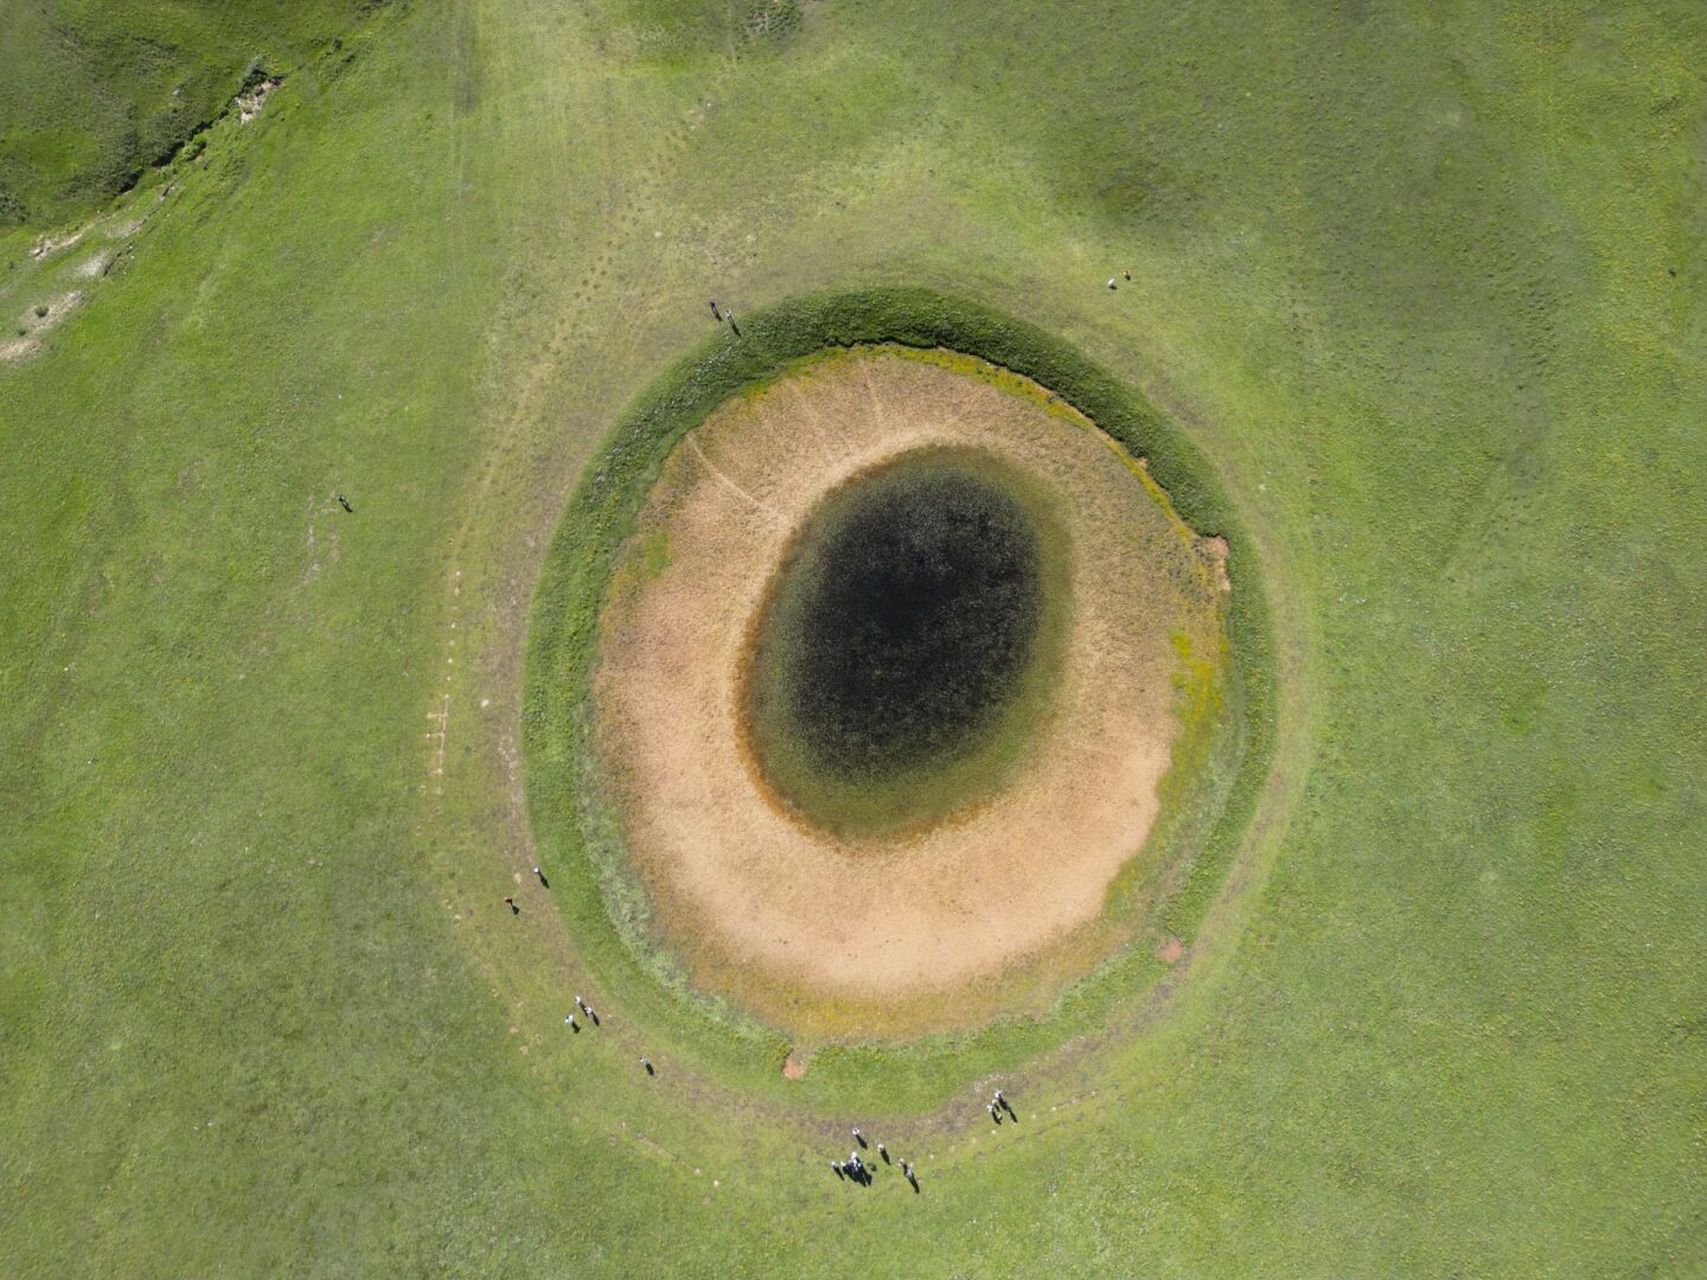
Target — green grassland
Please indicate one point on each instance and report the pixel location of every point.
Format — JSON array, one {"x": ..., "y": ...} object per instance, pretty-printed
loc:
[
  {"x": 1424, "y": 282},
  {"x": 95, "y": 93}
]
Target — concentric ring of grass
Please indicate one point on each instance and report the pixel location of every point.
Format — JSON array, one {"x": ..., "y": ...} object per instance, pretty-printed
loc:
[
  {"x": 578, "y": 838},
  {"x": 871, "y": 726}
]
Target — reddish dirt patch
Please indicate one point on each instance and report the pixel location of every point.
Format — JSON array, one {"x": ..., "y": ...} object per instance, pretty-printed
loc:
[
  {"x": 1171, "y": 950},
  {"x": 1217, "y": 548}
]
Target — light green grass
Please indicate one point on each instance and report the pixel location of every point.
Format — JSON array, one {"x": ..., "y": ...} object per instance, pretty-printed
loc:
[
  {"x": 1403, "y": 272},
  {"x": 95, "y": 93}
]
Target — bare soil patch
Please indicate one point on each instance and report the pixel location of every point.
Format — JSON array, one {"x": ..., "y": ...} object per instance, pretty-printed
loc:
[
  {"x": 1217, "y": 550},
  {"x": 777, "y": 913},
  {"x": 35, "y": 322},
  {"x": 48, "y": 245},
  {"x": 251, "y": 100}
]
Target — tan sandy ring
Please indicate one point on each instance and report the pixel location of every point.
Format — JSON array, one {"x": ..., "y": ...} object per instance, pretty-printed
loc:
[{"x": 736, "y": 885}]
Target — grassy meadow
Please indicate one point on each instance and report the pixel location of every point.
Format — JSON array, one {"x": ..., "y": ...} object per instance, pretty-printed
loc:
[
  {"x": 1425, "y": 284},
  {"x": 94, "y": 94}
]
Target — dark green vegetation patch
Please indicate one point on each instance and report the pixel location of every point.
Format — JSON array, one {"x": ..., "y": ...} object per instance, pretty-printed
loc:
[
  {"x": 902, "y": 622},
  {"x": 901, "y": 630}
]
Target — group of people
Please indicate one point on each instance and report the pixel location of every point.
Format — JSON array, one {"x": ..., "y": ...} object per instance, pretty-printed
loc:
[
  {"x": 855, "y": 1169},
  {"x": 587, "y": 1011},
  {"x": 722, "y": 314},
  {"x": 582, "y": 1007}
]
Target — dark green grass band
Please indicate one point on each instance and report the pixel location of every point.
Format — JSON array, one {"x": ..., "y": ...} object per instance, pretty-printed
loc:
[{"x": 601, "y": 905}]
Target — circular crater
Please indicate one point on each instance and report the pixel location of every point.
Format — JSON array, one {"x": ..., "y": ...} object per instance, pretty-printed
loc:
[
  {"x": 910, "y": 618},
  {"x": 908, "y": 692}
]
